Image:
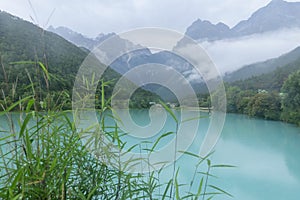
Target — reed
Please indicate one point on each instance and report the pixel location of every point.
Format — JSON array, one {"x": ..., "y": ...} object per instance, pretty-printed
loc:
[{"x": 42, "y": 155}]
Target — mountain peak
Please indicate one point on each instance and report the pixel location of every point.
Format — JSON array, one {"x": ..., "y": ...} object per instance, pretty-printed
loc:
[
  {"x": 277, "y": 1},
  {"x": 278, "y": 14},
  {"x": 204, "y": 29}
]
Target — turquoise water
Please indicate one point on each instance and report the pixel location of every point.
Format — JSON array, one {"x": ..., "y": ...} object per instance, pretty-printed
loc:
[{"x": 266, "y": 155}]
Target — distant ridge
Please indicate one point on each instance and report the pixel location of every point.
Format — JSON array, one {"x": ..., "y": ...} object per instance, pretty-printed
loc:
[
  {"x": 265, "y": 67},
  {"x": 278, "y": 14},
  {"x": 79, "y": 39}
]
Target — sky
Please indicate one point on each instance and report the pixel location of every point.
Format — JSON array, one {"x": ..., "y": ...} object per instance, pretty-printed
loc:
[{"x": 91, "y": 17}]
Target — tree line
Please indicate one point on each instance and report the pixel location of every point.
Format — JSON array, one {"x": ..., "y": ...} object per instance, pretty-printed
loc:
[{"x": 282, "y": 104}]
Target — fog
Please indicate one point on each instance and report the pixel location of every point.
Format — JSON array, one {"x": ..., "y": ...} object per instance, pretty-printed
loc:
[{"x": 231, "y": 54}]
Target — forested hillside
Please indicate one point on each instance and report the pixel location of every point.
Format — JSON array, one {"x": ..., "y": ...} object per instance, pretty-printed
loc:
[
  {"x": 264, "y": 67},
  {"x": 273, "y": 95},
  {"x": 23, "y": 41},
  {"x": 25, "y": 49},
  {"x": 269, "y": 81}
]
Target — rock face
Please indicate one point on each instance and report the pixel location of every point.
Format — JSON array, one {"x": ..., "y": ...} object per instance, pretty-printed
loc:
[
  {"x": 278, "y": 14},
  {"x": 79, "y": 39},
  {"x": 205, "y": 30}
]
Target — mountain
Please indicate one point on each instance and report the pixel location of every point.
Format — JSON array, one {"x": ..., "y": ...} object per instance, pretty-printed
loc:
[
  {"x": 260, "y": 68},
  {"x": 128, "y": 61},
  {"x": 79, "y": 39},
  {"x": 205, "y": 30},
  {"x": 143, "y": 56},
  {"x": 270, "y": 81},
  {"x": 122, "y": 64},
  {"x": 23, "y": 41},
  {"x": 268, "y": 75},
  {"x": 90, "y": 43},
  {"x": 278, "y": 14}
]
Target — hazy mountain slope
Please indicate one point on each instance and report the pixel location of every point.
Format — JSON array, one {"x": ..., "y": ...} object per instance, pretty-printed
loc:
[
  {"x": 79, "y": 39},
  {"x": 135, "y": 58},
  {"x": 272, "y": 81},
  {"x": 268, "y": 66}
]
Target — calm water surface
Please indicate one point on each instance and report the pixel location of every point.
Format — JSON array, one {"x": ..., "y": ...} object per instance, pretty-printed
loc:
[{"x": 266, "y": 155}]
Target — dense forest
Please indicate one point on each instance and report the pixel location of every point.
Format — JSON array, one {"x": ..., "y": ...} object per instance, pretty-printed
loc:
[
  {"x": 27, "y": 51},
  {"x": 274, "y": 95}
]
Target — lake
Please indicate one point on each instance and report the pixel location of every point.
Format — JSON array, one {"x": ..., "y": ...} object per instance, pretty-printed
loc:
[{"x": 266, "y": 155}]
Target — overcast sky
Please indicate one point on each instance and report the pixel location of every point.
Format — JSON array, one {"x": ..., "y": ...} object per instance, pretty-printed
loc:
[{"x": 92, "y": 17}]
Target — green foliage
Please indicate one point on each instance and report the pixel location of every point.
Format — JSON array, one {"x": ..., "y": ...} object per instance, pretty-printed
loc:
[
  {"x": 291, "y": 99},
  {"x": 45, "y": 158},
  {"x": 21, "y": 40},
  {"x": 141, "y": 99},
  {"x": 265, "y": 105},
  {"x": 217, "y": 99},
  {"x": 272, "y": 95},
  {"x": 233, "y": 94},
  {"x": 260, "y": 103}
]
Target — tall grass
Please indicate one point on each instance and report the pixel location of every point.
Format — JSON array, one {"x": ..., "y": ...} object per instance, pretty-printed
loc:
[{"x": 42, "y": 157}]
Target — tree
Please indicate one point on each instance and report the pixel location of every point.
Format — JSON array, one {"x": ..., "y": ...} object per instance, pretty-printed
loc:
[
  {"x": 291, "y": 99},
  {"x": 265, "y": 105},
  {"x": 232, "y": 94}
]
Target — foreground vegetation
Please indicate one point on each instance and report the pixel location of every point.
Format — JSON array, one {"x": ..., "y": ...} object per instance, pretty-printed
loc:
[
  {"x": 48, "y": 161},
  {"x": 42, "y": 156}
]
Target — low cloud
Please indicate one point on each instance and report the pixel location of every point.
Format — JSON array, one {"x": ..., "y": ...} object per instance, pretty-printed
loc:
[{"x": 231, "y": 54}]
